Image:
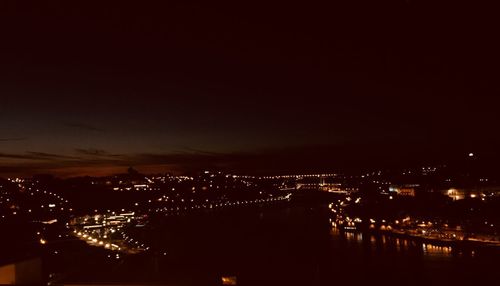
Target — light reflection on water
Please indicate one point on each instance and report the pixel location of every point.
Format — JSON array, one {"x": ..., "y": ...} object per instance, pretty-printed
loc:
[
  {"x": 292, "y": 246},
  {"x": 385, "y": 242}
]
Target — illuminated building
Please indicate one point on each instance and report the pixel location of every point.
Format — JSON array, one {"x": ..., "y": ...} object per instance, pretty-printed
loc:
[{"x": 406, "y": 190}]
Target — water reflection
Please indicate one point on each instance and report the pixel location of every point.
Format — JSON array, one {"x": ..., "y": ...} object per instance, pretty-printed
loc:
[
  {"x": 288, "y": 246},
  {"x": 384, "y": 242}
]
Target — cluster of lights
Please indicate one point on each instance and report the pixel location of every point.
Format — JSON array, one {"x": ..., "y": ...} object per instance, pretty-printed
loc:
[
  {"x": 432, "y": 230},
  {"x": 96, "y": 230},
  {"x": 297, "y": 176},
  {"x": 218, "y": 204},
  {"x": 99, "y": 229},
  {"x": 140, "y": 246},
  {"x": 56, "y": 201}
]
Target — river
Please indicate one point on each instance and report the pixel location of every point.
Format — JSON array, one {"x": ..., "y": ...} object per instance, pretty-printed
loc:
[{"x": 289, "y": 245}]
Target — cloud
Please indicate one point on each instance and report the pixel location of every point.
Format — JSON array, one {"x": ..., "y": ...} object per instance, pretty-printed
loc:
[
  {"x": 30, "y": 155},
  {"x": 17, "y": 156},
  {"x": 50, "y": 156},
  {"x": 307, "y": 158},
  {"x": 198, "y": 151},
  {"x": 99, "y": 161},
  {"x": 85, "y": 127},
  {"x": 96, "y": 152},
  {"x": 13, "y": 139}
]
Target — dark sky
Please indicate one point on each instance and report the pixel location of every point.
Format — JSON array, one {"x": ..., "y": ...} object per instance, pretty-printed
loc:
[{"x": 252, "y": 86}]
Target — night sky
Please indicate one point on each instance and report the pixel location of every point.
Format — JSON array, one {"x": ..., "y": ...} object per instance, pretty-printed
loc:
[{"x": 247, "y": 86}]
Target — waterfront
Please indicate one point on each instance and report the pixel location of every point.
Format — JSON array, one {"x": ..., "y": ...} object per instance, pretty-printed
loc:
[{"x": 283, "y": 245}]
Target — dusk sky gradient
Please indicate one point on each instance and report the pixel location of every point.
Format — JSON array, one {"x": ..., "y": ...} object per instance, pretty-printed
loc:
[{"x": 251, "y": 87}]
